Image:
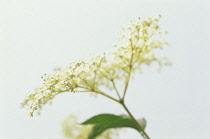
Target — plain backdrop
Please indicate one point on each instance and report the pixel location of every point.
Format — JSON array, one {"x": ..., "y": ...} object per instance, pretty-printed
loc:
[{"x": 37, "y": 36}]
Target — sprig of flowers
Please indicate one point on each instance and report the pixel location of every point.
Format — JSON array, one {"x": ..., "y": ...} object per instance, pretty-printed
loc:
[{"x": 135, "y": 46}]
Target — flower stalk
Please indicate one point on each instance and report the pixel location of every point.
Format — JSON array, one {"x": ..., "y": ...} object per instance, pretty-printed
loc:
[
  {"x": 122, "y": 102},
  {"x": 141, "y": 130},
  {"x": 135, "y": 46}
]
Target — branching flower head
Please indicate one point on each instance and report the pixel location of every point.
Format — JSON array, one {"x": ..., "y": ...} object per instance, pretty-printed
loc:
[{"x": 135, "y": 46}]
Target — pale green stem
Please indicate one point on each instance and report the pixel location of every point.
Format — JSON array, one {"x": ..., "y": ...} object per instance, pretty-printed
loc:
[
  {"x": 141, "y": 130},
  {"x": 121, "y": 101},
  {"x": 129, "y": 72},
  {"x": 126, "y": 85},
  {"x": 101, "y": 93},
  {"x": 115, "y": 88}
]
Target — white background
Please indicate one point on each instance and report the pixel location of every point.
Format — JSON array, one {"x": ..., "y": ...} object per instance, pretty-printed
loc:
[{"x": 37, "y": 36}]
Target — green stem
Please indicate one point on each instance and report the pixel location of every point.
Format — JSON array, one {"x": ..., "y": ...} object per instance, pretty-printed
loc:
[
  {"x": 115, "y": 88},
  {"x": 141, "y": 130},
  {"x": 129, "y": 72},
  {"x": 101, "y": 93},
  {"x": 126, "y": 85}
]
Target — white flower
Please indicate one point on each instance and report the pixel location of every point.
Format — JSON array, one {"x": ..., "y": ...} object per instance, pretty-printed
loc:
[{"x": 135, "y": 46}]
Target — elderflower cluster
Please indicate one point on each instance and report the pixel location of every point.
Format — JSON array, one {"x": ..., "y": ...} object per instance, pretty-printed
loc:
[
  {"x": 134, "y": 46},
  {"x": 72, "y": 130}
]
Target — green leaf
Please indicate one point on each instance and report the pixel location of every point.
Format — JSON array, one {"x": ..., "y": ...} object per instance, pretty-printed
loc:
[{"x": 103, "y": 122}]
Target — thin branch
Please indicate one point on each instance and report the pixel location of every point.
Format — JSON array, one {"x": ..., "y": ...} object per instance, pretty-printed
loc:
[
  {"x": 141, "y": 130},
  {"x": 129, "y": 73},
  {"x": 126, "y": 85},
  {"x": 101, "y": 93},
  {"x": 116, "y": 89}
]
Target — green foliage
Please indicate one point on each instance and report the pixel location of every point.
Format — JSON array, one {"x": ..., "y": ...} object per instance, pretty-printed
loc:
[{"x": 103, "y": 122}]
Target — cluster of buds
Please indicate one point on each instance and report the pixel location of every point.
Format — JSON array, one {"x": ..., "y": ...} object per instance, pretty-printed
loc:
[{"x": 135, "y": 46}]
